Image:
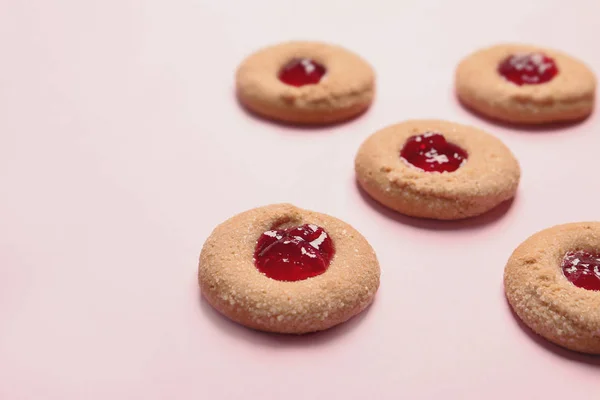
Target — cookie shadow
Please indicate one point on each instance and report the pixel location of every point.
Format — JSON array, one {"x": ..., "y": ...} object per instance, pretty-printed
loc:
[
  {"x": 557, "y": 350},
  {"x": 481, "y": 221},
  {"x": 279, "y": 340},
  {"x": 297, "y": 126},
  {"x": 553, "y": 127}
]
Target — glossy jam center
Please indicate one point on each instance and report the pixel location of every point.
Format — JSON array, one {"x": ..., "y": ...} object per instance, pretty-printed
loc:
[
  {"x": 431, "y": 152},
  {"x": 295, "y": 253},
  {"x": 528, "y": 69},
  {"x": 302, "y": 71},
  {"x": 582, "y": 269}
]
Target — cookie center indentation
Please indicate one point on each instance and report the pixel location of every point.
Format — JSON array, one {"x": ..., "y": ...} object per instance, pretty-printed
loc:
[
  {"x": 302, "y": 71},
  {"x": 432, "y": 153},
  {"x": 582, "y": 269},
  {"x": 294, "y": 254},
  {"x": 528, "y": 69}
]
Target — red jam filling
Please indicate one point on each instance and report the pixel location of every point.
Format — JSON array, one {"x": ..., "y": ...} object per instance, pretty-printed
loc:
[
  {"x": 295, "y": 253},
  {"x": 432, "y": 153},
  {"x": 582, "y": 269},
  {"x": 302, "y": 71},
  {"x": 528, "y": 69}
]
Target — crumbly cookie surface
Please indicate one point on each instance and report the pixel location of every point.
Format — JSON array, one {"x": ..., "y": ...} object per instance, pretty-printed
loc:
[
  {"x": 541, "y": 295},
  {"x": 233, "y": 285},
  {"x": 489, "y": 177},
  {"x": 345, "y": 91},
  {"x": 569, "y": 96}
]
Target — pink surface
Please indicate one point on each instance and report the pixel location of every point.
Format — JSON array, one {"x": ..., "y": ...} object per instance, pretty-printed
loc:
[{"x": 122, "y": 146}]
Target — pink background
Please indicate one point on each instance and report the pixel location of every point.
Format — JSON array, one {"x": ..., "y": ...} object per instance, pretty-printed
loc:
[{"x": 122, "y": 146}]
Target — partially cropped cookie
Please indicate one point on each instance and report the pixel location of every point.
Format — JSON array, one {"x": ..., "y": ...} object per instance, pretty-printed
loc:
[
  {"x": 305, "y": 83},
  {"x": 552, "y": 281},
  {"x": 437, "y": 169},
  {"x": 283, "y": 269},
  {"x": 526, "y": 84}
]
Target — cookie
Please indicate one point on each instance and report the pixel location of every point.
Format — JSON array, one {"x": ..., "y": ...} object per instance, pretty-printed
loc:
[
  {"x": 305, "y": 83},
  {"x": 279, "y": 268},
  {"x": 526, "y": 84},
  {"x": 552, "y": 282},
  {"x": 436, "y": 169}
]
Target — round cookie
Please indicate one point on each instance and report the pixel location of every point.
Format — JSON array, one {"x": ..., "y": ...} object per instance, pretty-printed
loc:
[
  {"x": 541, "y": 282},
  {"x": 344, "y": 91},
  {"x": 310, "y": 299},
  {"x": 536, "y": 86},
  {"x": 478, "y": 174}
]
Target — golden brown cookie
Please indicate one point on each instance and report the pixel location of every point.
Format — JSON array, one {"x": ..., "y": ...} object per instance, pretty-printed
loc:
[
  {"x": 552, "y": 281},
  {"x": 283, "y": 269},
  {"x": 437, "y": 169},
  {"x": 526, "y": 84},
  {"x": 305, "y": 83}
]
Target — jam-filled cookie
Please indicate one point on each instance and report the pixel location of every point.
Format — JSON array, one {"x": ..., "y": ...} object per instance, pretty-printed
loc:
[
  {"x": 279, "y": 268},
  {"x": 552, "y": 281},
  {"x": 526, "y": 84},
  {"x": 436, "y": 169},
  {"x": 305, "y": 83}
]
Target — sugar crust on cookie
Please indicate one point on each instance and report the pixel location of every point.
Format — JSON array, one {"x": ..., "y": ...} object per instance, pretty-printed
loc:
[
  {"x": 232, "y": 284},
  {"x": 345, "y": 91},
  {"x": 489, "y": 177},
  {"x": 569, "y": 96},
  {"x": 541, "y": 295}
]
